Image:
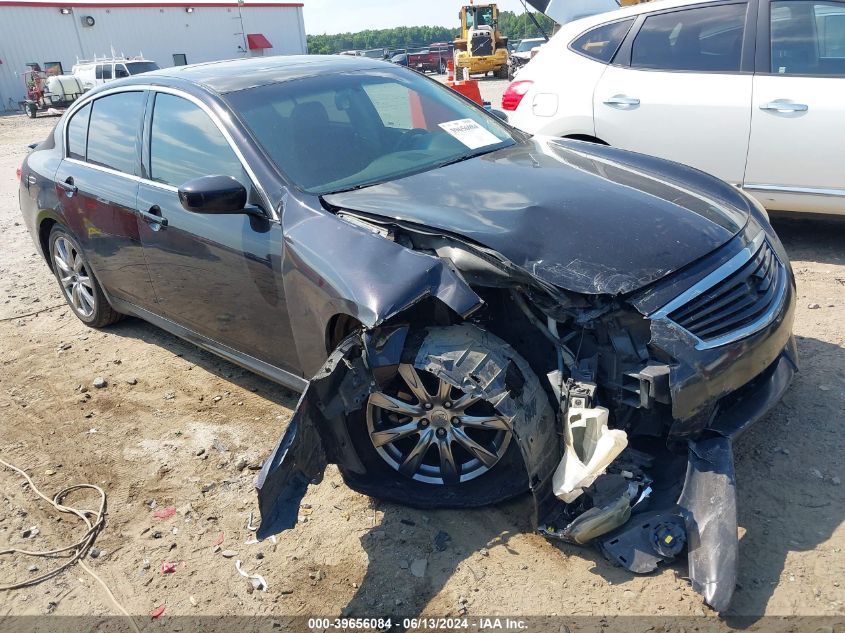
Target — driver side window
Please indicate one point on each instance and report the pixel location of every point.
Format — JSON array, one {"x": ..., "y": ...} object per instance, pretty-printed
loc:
[{"x": 185, "y": 144}]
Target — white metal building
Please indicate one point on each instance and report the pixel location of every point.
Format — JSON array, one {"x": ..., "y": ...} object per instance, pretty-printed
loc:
[{"x": 169, "y": 33}]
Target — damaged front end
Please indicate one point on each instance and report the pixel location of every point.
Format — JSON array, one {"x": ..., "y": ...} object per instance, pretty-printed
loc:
[{"x": 627, "y": 443}]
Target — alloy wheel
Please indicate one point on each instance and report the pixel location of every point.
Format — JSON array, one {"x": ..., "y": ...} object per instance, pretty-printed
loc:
[
  {"x": 74, "y": 277},
  {"x": 431, "y": 432}
]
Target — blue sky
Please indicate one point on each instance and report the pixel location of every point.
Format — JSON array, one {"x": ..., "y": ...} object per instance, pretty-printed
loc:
[{"x": 340, "y": 16}]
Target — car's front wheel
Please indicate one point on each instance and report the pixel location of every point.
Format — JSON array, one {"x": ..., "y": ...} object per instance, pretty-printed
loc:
[
  {"x": 79, "y": 287},
  {"x": 433, "y": 444}
]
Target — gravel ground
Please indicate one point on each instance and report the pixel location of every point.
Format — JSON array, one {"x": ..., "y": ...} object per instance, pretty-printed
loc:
[{"x": 177, "y": 427}]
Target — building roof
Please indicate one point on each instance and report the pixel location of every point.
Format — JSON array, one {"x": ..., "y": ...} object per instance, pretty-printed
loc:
[{"x": 240, "y": 74}]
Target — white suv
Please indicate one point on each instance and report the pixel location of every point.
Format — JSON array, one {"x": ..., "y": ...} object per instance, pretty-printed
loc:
[{"x": 750, "y": 91}]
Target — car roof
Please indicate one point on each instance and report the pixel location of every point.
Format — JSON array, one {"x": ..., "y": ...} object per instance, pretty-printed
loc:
[
  {"x": 629, "y": 11},
  {"x": 239, "y": 74}
]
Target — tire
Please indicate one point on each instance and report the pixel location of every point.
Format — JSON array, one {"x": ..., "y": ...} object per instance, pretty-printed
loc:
[
  {"x": 502, "y": 72},
  {"x": 77, "y": 283},
  {"x": 458, "y": 352},
  {"x": 31, "y": 110},
  {"x": 441, "y": 68}
]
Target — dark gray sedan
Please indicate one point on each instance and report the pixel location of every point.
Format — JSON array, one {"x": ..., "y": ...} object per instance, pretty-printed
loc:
[{"x": 471, "y": 313}]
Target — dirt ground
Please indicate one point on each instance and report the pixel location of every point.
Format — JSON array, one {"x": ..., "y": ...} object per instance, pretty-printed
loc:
[{"x": 178, "y": 427}]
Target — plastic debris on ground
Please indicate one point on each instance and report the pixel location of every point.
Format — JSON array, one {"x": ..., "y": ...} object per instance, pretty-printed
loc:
[{"x": 258, "y": 582}]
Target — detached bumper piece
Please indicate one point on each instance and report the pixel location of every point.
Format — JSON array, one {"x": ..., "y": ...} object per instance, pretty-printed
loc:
[{"x": 639, "y": 527}]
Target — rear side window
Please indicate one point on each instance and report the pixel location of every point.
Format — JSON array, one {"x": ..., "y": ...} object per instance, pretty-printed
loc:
[
  {"x": 702, "y": 39},
  {"x": 808, "y": 38},
  {"x": 99, "y": 71},
  {"x": 113, "y": 130},
  {"x": 185, "y": 144},
  {"x": 77, "y": 133},
  {"x": 602, "y": 42}
]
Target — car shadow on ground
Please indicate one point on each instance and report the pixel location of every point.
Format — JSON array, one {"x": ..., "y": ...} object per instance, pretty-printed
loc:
[
  {"x": 784, "y": 508},
  {"x": 811, "y": 238},
  {"x": 787, "y": 466},
  {"x": 451, "y": 542},
  {"x": 789, "y": 499},
  {"x": 141, "y": 330}
]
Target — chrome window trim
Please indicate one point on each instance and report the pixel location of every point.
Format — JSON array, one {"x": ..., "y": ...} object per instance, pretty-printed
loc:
[
  {"x": 106, "y": 170},
  {"x": 273, "y": 216},
  {"x": 724, "y": 271},
  {"x": 807, "y": 191}
]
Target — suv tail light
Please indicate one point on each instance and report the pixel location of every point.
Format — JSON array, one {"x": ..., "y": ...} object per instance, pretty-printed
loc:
[
  {"x": 18, "y": 172},
  {"x": 514, "y": 93}
]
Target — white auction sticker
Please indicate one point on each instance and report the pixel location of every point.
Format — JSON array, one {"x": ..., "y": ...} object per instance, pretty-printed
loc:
[{"x": 470, "y": 133}]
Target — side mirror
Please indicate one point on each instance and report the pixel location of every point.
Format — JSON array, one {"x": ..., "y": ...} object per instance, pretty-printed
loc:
[{"x": 213, "y": 194}]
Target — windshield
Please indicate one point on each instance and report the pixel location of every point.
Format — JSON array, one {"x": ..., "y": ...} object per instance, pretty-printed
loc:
[
  {"x": 483, "y": 16},
  {"x": 527, "y": 45},
  {"x": 136, "y": 68},
  {"x": 348, "y": 130}
]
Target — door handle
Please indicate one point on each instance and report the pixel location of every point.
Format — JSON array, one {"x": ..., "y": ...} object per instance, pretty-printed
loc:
[
  {"x": 781, "y": 105},
  {"x": 622, "y": 100},
  {"x": 68, "y": 186},
  {"x": 153, "y": 217}
]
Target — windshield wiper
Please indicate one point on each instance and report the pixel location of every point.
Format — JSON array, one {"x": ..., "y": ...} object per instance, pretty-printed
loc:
[{"x": 464, "y": 157}]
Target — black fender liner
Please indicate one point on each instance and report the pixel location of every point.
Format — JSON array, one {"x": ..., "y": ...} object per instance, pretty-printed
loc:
[{"x": 317, "y": 434}]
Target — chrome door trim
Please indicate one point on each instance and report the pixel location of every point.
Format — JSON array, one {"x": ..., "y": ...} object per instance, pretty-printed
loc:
[
  {"x": 807, "y": 191},
  {"x": 105, "y": 170}
]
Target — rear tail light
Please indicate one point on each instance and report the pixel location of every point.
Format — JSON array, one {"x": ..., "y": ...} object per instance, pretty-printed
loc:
[
  {"x": 514, "y": 93},
  {"x": 18, "y": 173}
]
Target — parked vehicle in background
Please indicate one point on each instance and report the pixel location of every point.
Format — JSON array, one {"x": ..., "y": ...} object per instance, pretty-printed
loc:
[
  {"x": 374, "y": 53},
  {"x": 101, "y": 71},
  {"x": 400, "y": 59},
  {"x": 432, "y": 59},
  {"x": 522, "y": 54},
  {"x": 47, "y": 92},
  {"x": 469, "y": 310},
  {"x": 748, "y": 91},
  {"x": 480, "y": 46}
]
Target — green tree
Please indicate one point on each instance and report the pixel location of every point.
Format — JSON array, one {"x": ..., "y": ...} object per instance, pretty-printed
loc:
[{"x": 513, "y": 26}]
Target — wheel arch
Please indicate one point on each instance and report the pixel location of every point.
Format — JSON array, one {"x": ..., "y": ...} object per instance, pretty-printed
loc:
[
  {"x": 44, "y": 228},
  {"x": 338, "y": 328}
]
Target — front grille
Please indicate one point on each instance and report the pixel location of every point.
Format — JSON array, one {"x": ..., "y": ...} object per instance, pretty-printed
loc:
[{"x": 736, "y": 300}]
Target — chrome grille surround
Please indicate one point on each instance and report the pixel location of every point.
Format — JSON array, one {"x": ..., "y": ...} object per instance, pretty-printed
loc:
[{"x": 737, "y": 299}]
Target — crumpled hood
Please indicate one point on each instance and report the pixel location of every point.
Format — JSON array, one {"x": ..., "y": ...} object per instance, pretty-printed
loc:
[{"x": 584, "y": 217}]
